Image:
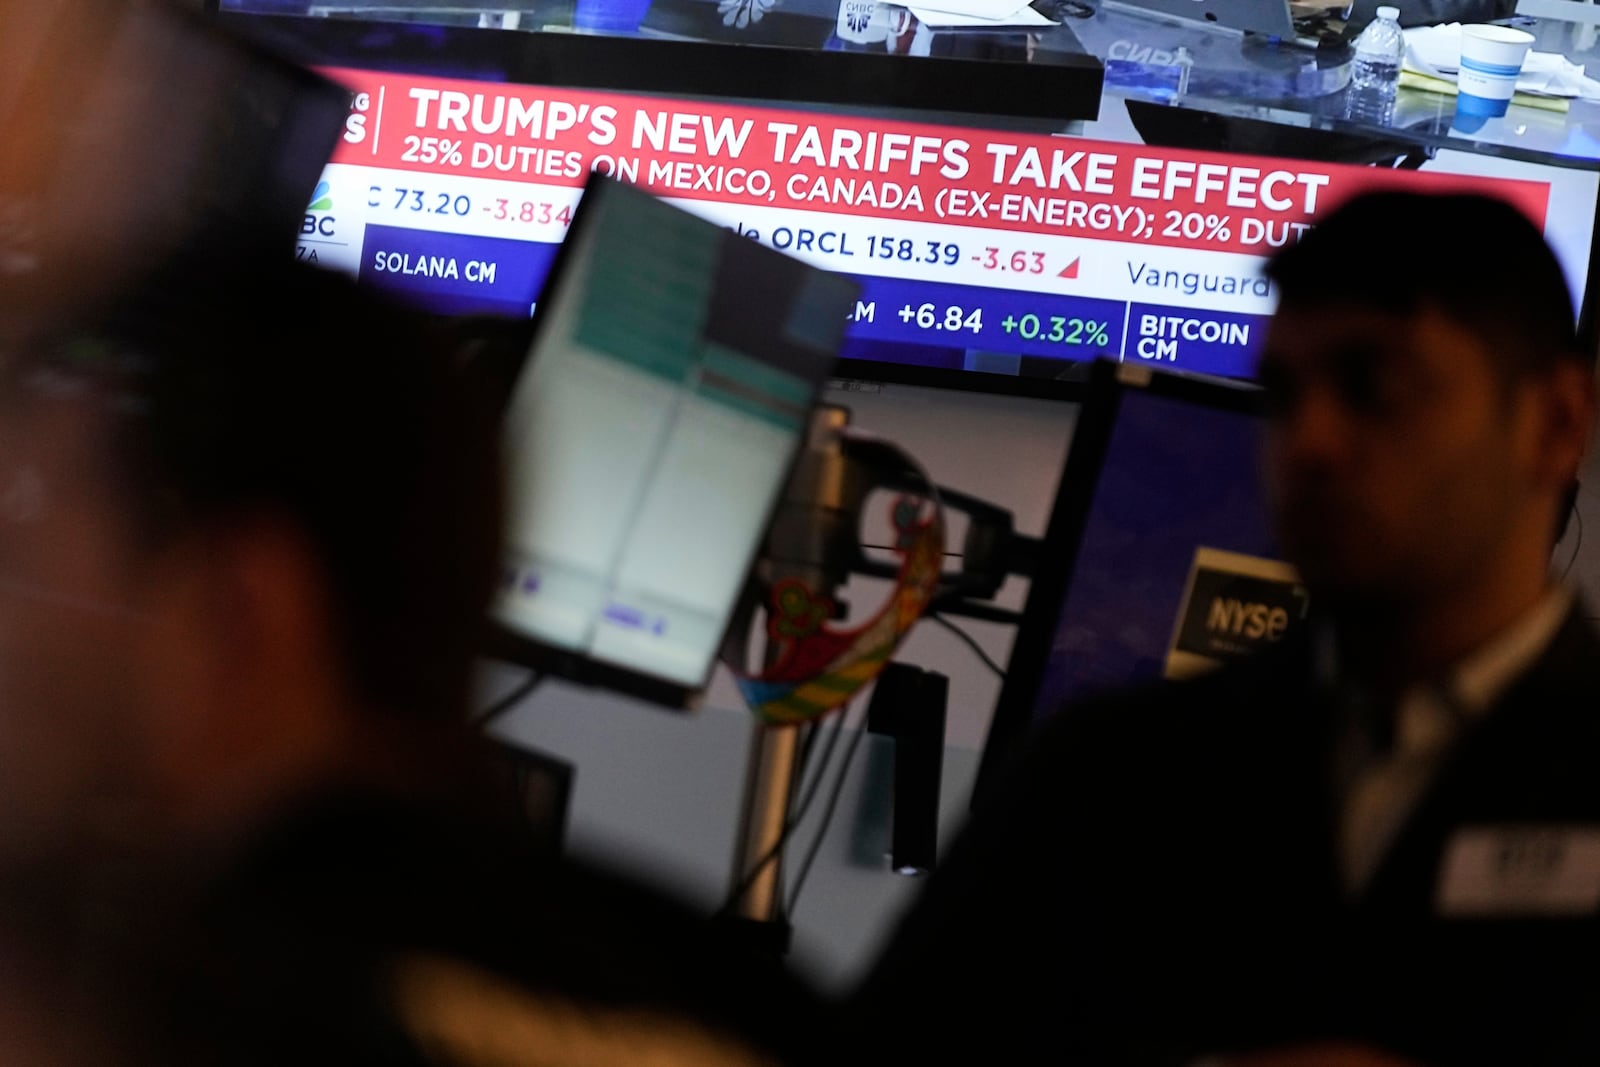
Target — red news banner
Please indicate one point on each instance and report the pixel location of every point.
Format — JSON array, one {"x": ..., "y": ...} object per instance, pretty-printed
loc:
[{"x": 852, "y": 166}]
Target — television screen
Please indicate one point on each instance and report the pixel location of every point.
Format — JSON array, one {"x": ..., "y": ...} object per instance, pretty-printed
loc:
[
  {"x": 985, "y": 254},
  {"x": 1160, "y": 558},
  {"x": 980, "y": 252},
  {"x": 649, "y": 435}
]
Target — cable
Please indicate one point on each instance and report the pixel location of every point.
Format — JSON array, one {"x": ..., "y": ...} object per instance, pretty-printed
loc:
[
  {"x": 827, "y": 815},
  {"x": 510, "y": 700},
  {"x": 793, "y": 821},
  {"x": 808, "y": 794},
  {"x": 891, "y": 548},
  {"x": 1578, "y": 547},
  {"x": 808, "y": 744},
  {"x": 972, "y": 643}
]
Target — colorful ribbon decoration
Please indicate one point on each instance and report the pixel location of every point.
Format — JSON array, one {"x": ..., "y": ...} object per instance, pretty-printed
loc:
[{"x": 818, "y": 668}]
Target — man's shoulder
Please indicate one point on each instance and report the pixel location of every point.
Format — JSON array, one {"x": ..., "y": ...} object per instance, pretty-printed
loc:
[
  {"x": 461, "y": 1014},
  {"x": 1574, "y": 650},
  {"x": 1164, "y": 729},
  {"x": 1554, "y": 696},
  {"x": 389, "y": 912},
  {"x": 1237, "y": 693}
]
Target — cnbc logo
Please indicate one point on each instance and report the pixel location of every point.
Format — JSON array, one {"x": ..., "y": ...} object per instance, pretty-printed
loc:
[{"x": 316, "y": 223}]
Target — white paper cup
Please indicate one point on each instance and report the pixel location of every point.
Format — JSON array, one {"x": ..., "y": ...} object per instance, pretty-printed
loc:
[{"x": 1491, "y": 60}]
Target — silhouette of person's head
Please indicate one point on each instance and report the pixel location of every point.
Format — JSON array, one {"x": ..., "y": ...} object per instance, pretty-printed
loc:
[
  {"x": 248, "y": 528},
  {"x": 1429, "y": 405}
]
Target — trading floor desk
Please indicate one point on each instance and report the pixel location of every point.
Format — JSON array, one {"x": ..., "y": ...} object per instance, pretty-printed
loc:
[
  {"x": 1015, "y": 197},
  {"x": 1185, "y": 86},
  {"x": 1230, "y": 75}
]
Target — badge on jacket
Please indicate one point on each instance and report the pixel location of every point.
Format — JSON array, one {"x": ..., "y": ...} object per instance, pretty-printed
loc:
[{"x": 1526, "y": 870}]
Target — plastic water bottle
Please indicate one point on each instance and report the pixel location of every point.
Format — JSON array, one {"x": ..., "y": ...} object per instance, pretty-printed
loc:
[{"x": 1375, "y": 74}]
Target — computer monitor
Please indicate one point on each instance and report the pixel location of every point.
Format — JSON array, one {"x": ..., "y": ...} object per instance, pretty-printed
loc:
[
  {"x": 649, "y": 435},
  {"x": 991, "y": 254},
  {"x": 1160, "y": 559}
]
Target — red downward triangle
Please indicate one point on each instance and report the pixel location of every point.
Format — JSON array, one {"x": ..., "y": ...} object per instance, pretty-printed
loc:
[{"x": 1071, "y": 270}]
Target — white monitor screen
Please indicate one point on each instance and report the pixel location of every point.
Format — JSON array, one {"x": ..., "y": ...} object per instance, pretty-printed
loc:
[{"x": 650, "y": 433}]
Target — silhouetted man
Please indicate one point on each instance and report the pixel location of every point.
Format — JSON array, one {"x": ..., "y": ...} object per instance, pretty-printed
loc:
[
  {"x": 248, "y": 529},
  {"x": 1381, "y": 844}
]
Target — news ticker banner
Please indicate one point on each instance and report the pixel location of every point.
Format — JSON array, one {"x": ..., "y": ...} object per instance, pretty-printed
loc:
[{"x": 456, "y": 194}]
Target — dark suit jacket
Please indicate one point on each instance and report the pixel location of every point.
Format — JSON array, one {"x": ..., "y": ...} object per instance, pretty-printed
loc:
[
  {"x": 1158, "y": 879},
  {"x": 303, "y": 951}
]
